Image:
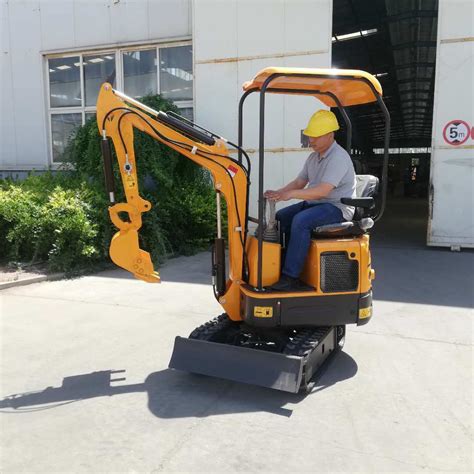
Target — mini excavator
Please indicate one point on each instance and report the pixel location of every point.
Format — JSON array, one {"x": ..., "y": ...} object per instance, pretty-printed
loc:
[{"x": 267, "y": 338}]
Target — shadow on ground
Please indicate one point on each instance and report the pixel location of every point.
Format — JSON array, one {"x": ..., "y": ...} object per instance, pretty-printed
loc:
[{"x": 173, "y": 394}]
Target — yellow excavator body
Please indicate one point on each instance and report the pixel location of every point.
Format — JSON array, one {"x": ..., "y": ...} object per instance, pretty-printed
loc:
[{"x": 275, "y": 339}]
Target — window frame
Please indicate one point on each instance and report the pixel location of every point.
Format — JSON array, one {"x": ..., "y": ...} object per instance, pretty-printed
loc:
[{"x": 117, "y": 52}]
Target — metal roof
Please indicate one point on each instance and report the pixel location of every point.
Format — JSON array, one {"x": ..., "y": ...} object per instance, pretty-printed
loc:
[{"x": 395, "y": 40}]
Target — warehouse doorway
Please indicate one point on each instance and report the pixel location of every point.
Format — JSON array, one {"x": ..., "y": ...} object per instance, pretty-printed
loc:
[{"x": 396, "y": 42}]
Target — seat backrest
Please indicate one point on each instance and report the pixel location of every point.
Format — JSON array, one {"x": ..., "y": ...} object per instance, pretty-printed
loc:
[{"x": 366, "y": 185}]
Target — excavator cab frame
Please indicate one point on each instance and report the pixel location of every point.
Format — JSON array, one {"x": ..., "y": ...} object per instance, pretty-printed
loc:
[{"x": 333, "y": 87}]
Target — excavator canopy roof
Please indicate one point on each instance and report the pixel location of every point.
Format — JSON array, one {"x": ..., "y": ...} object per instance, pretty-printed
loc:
[{"x": 350, "y": 86}]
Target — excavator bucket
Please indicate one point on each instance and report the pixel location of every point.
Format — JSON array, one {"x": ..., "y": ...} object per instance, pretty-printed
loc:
[
  {"x": 289, "y": 373},
  {"x": 126, "y": 253}
]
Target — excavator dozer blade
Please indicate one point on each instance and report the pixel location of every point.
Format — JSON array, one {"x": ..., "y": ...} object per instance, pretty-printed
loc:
[{"x": 240, "y": 364}]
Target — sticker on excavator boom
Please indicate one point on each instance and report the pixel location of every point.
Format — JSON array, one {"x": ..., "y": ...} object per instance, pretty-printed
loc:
[
  {"x": 263, "y": 312},
  {"x": 130, "y": 182},
  {"x": 232, "y": 170}
]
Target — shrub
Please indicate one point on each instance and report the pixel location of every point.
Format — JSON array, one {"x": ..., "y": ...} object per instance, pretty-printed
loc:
[{"x": 47, "y": 218}]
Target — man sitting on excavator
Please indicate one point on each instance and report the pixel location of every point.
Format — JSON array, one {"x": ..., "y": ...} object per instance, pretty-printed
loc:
[{"x": 330, "y": 176}]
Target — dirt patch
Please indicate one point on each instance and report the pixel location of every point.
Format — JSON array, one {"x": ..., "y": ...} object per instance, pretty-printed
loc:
[{"x": 9, "y": 274}]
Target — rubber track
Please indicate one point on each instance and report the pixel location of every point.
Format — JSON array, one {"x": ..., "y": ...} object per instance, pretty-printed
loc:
[
  {"x": 208, "y": 330},
  {"x": 301, "y": 344},
  {"x": 305, "y": 341}
]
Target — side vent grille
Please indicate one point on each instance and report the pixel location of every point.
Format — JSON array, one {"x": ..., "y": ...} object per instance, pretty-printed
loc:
[{"x": 338, "y": 272}]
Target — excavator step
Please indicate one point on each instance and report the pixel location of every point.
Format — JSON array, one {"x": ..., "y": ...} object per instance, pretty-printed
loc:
[{"x": 277, "y": 370}]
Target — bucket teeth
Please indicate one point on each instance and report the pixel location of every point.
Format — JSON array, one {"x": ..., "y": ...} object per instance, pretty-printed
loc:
[{"x": 126, "y": 253}]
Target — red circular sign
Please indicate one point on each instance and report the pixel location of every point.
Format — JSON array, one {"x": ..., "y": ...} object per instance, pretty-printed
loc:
[{"x": 456, "y": 132}]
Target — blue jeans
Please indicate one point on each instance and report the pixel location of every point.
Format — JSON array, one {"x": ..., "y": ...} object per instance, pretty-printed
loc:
[{"x": 297, "y": 221}]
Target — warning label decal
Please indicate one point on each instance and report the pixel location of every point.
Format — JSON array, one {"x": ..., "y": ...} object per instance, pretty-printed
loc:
[{"x": 232, "y": 170}]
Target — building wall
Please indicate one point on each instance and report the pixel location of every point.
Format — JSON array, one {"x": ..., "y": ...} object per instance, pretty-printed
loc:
[
  {"x": 235, "y": 39},
  {"x": 452, "y": 166},
  {"x": 232, "y": 41},
  {"x": 30, "y": 29}
]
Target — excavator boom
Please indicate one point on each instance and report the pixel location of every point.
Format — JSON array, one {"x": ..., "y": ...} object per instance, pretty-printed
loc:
[{"x": 117, "y": 117}]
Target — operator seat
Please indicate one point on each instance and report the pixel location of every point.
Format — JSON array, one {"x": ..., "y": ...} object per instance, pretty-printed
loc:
[{"x": 366, "y": 186}]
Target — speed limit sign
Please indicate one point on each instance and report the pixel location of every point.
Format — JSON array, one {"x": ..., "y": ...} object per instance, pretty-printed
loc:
[{"x": 456, "y": 132}]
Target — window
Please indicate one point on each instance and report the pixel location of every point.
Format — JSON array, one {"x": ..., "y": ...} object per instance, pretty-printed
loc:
[
  {"x": 176, "y": 73},
  {"x": 75, "y": 79},
  {"x": 140, "y": 73},
  {"x": 63, "y": 128},
  {"x": 65, "y": 82},
  {"x": 96, "y": 70}
]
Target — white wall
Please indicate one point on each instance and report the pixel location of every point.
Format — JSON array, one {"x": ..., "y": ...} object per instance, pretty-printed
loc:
[
  {"x": 29, "y": 29},
  {"x": 232, "y": 41},
  {"x": 452, "y": 166}
]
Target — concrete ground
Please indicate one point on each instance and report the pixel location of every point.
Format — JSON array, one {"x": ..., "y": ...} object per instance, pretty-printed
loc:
[{"x": 398, "y": 398}]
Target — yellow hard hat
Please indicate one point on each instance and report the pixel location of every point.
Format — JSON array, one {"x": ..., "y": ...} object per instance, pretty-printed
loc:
[{"x": 320, "y": 123}]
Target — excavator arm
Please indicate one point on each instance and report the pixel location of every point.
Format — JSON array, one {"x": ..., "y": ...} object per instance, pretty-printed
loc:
[{"x": 117, "y": 117}]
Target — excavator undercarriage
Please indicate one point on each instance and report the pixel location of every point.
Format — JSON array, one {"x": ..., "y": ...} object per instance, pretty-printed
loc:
[{"x": 284, "y": 359}]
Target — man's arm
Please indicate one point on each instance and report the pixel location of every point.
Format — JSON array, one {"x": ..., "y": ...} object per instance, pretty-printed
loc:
[{"x": 318, "y": 192}]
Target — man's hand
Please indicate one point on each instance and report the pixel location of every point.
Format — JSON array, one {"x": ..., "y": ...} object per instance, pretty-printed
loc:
[
  {"x": 270, "y": 194},
  {"x": 284, "y": 196},
  {"x": 278, "y": 195},
  {"x": 287, "y": 192}
]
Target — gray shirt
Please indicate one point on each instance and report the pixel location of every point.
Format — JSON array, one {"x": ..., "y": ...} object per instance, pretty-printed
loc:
[{"x": 335, "y": 168}]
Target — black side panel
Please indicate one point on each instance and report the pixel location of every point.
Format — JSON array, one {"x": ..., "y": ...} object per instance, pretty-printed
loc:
[
  {"x": 320, "y": 310},
  {"x": 365, "y": 303},
  {"x": 309, "y": 311},
  {"x": 259, "y": 312}
]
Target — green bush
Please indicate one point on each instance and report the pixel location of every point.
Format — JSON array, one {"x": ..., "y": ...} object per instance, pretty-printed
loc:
[
  {"x": 50, "y": 219},
  {"x": 63, "y": 218}
]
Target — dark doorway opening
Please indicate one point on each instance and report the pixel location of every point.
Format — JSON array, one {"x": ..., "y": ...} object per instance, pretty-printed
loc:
[{"x": 395, "y": 41}]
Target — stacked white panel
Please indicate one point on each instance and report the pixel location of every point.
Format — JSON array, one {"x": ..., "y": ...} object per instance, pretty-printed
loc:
[{"x": 451, "y": 220}]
